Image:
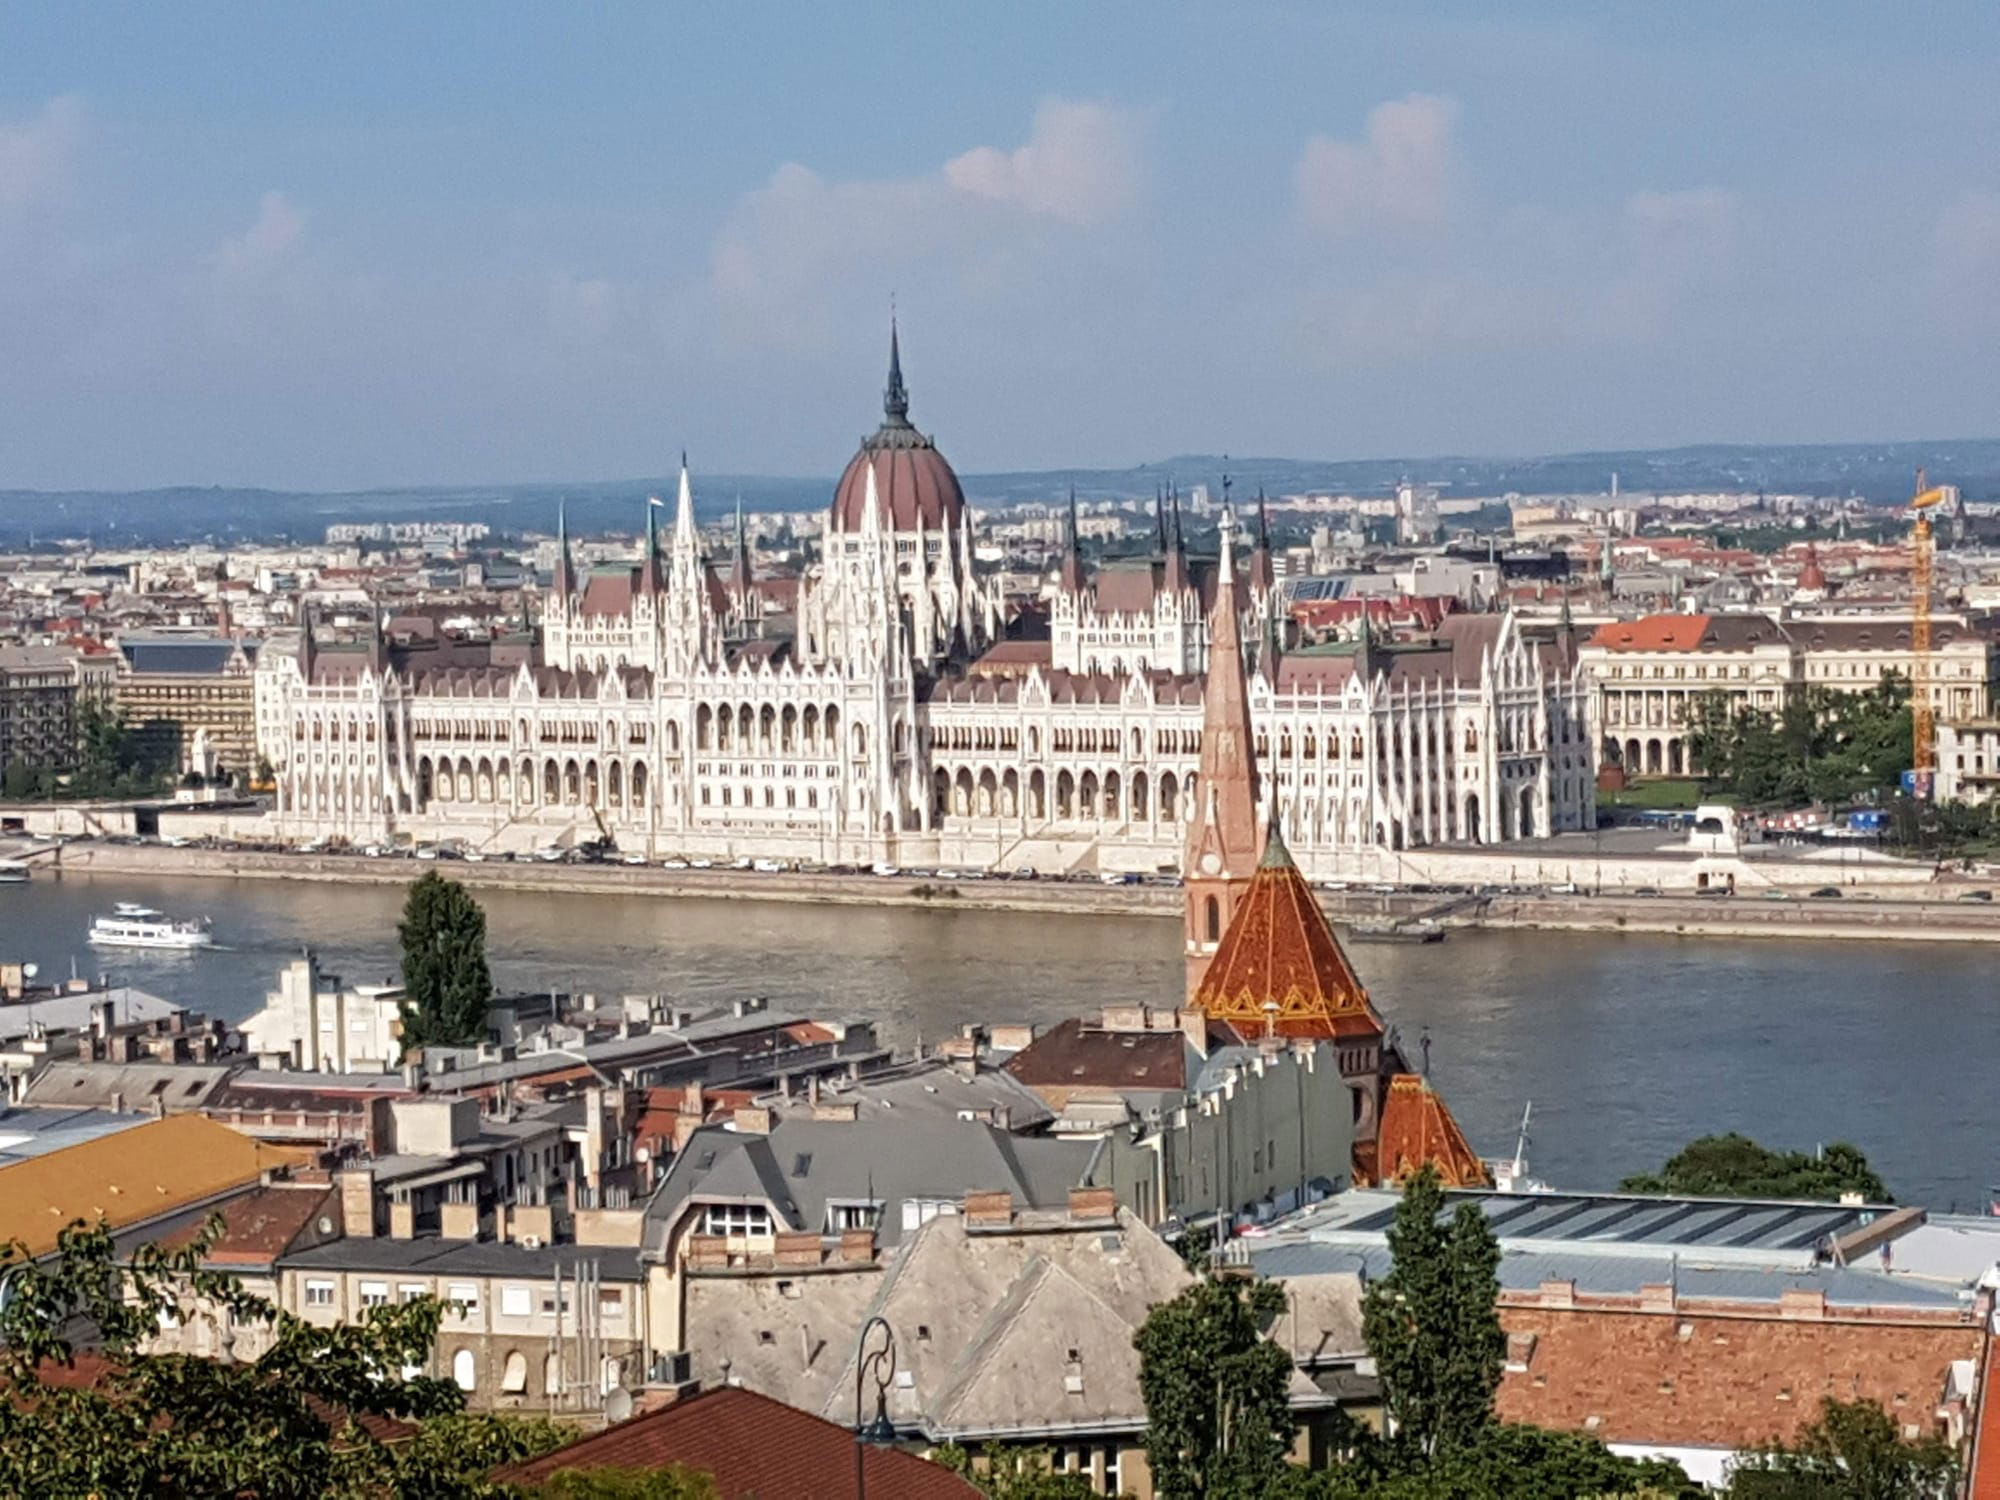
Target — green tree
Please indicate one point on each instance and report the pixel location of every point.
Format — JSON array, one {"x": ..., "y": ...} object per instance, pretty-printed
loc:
[
  {"x": 1433, "y": 1325},
  {"x": 1853, "y": 1452},
  {"x": 1218, "y": 1415},
  {"x": 1511, "y": 1461},
  {"x": 1734, "y": 1166},
  {"x": 281, "y": 1427},
  {"x": 445, "y": 979},
  {"x": 1013, "y": 1473}
]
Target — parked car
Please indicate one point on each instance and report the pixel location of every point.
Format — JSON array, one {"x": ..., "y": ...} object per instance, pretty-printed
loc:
[
  {"x": 1980, "y": 895},
  {"x": 1827, "y": 893}
]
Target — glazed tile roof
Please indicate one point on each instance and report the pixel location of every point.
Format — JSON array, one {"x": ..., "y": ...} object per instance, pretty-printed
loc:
[
  {"x": 1279, "y": 948},
  {"x": 753, "y": 1447},
  {"x": 1417, "y": 1129}
]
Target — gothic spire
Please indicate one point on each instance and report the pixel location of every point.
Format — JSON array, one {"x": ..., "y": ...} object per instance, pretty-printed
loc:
[
  {"x": 1224, "y": 838},
  {"x": 741, "y": 581},
  {"x": 1072, "y": 563},
  {"x": 895, "y": 397},
  {"x": 565, "y": 579}
]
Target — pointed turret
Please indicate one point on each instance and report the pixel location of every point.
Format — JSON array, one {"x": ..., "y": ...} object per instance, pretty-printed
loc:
[
  {"x": 564, "y": 583},
  {"x": 649, "y": 558},
  {"x": 1072, "y": 563},
  {"x": 1417, "y": 1131},
  {"x": 895, "y": 396},
  {"x": 1177, "y": 567},
  {"x": 740, "y": 581},
  {"x": 1279, "y": 969},
  {"x": 1366, "y": 659},
  {"x": 1160, "y": 520},
  {"x": 1224, "y": 840},
  {"x": 1263, "y": 573}
]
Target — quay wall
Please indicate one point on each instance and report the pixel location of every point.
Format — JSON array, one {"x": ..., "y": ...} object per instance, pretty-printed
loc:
[{"x": 1890, "y": 913}]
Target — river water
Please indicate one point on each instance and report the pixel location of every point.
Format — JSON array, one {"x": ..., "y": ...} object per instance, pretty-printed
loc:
[{"x": 1628, "y": 1046}]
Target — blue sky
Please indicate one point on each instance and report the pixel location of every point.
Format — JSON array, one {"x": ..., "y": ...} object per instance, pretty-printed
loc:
[{"x": 444, "y": 243}]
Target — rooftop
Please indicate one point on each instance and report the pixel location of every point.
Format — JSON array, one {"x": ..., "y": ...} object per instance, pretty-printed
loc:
[
  {"x": 754, "y": 1447},
  {"x": 131, "y": 1177}
]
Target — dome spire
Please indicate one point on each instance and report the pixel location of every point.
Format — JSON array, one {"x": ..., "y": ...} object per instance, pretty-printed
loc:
[{"x": 895, "y": 396}]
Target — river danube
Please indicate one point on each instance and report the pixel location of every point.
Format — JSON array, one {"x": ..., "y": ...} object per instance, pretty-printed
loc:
[{"x": 1627, "y": 1046}]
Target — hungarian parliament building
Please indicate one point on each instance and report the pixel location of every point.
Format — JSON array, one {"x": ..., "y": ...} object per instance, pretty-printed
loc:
[{"x": 680, "y": 706}]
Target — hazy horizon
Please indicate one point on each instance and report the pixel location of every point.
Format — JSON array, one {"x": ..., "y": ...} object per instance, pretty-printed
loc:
[{"x": 462, "y": 245}]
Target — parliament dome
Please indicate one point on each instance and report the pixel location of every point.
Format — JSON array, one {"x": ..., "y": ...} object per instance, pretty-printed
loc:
[{"x": 914, "y": 485}]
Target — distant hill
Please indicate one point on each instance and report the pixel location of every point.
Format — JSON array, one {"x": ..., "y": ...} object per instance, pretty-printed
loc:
[{"x": 1879, "y": 472}]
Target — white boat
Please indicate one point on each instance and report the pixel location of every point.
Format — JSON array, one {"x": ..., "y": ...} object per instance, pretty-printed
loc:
[
  {"x": 13, "y": 871},
  {"x": 131, "y": 925}
]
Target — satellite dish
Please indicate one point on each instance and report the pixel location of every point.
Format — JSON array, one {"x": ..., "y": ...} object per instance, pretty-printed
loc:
[
  {"x": 617, "y": 1404},
  {"x": 29, "y": 971}
]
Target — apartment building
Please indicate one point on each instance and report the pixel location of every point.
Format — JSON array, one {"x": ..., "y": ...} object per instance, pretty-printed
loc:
[
  {"x": 1648, "y": 675},
  {"x": 42, "y": 693}
]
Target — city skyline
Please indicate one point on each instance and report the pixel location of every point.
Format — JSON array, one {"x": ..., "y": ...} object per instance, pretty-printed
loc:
[{"x": 457, "y": 246}]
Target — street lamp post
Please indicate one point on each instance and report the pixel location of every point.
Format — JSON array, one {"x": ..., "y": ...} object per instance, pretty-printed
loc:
[{"x": 874, "y": 1359}]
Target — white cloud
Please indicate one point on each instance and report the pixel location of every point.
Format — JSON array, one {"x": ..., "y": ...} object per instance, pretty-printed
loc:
[
  {"x": 277, "y": 232},
  {"x": 36, "y": 155},
  {"x": 793, "y": 248},
  {"x": 1081, "y": 165},
  {"x": 1400, "y": 176}
]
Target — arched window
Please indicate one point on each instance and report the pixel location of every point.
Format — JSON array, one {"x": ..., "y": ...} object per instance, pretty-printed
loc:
[
  {"x": 465, "y": 1370},
  {"x": 552, "y": 1376},
  {"x": 1214, "y": 920},
  {"x": 514, "y": 1381}
]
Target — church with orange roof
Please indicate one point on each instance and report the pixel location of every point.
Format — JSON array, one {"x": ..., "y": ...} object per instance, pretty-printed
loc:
[{"x": 1262, "y": 956}]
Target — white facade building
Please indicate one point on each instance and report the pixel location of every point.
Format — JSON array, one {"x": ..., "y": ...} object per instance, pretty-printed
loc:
[
  {"x": 888, "y": 729},
  {"x": 311, "y": 1022}
]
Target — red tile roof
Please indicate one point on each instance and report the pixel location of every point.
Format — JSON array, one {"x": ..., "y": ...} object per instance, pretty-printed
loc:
[
  {"x": 1280, "y": 948},
  {"x": 754, "y": 1447},
  {"x": 1418, "y": 1129}
]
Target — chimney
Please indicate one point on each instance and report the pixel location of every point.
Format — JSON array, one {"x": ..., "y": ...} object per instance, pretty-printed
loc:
[
  {"x": 753, "y": 1120},
  {"x": 989, "y": 1210},
  {"x": 117, "y": 1102},
  {"x": 1091, "y": 1204},
  {"x": 402, "y": 1219},
  {"x": 357, "y": 1201},
  {"x": 593, "y": 1136},
  {"x": 458, "y": 1221}
]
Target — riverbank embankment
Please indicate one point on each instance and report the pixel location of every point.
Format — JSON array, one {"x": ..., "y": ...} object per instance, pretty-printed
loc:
[{"x": 1855, "y": 915}]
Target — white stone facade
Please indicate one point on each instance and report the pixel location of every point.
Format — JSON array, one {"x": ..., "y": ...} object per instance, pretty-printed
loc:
[{"x": 661, "y": 718}]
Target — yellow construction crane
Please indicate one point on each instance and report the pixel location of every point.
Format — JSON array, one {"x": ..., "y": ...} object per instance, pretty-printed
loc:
[{"x": 1923, "y": 713}]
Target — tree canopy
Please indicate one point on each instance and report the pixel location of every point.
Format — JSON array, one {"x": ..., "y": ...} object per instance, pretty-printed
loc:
[
  {"x": 1218, "y": 1408},
  {"x": 1821, "y": 746},
  {"x": 1432, "y": 1323},
  {"x": 1734, "y": 1166},
  {"x": 447, "y": 986},
  {"x": 1853, "y": 1452}
]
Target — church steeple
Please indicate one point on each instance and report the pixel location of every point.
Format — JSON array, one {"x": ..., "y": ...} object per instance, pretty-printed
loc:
[
  {"x": 1224, "y": 839},
  {"x": 740, "y": 580},
  {"x": 1263, "y": 574}
]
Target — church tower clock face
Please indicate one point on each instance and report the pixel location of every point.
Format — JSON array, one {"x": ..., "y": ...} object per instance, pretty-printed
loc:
[{"x": 1211, "y": 863}]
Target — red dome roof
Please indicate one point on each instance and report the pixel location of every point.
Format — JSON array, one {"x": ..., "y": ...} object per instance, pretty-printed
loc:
[{"x": 914, "y": 486}]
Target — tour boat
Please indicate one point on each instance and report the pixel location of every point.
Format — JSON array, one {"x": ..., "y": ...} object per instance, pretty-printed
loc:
[{"x": 133, "y": 926}]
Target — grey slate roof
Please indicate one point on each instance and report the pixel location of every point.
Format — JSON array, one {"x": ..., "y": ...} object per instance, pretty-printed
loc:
[
  {"x": 31, "y": 1132},
  {"x": 73, "y": 1012},
  {"x": 428, "y": 1255},
  {"x": 986, "y": 1323},
  {"x": 804, "y": 1164},
  {"x": 181, "y": 656}
]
